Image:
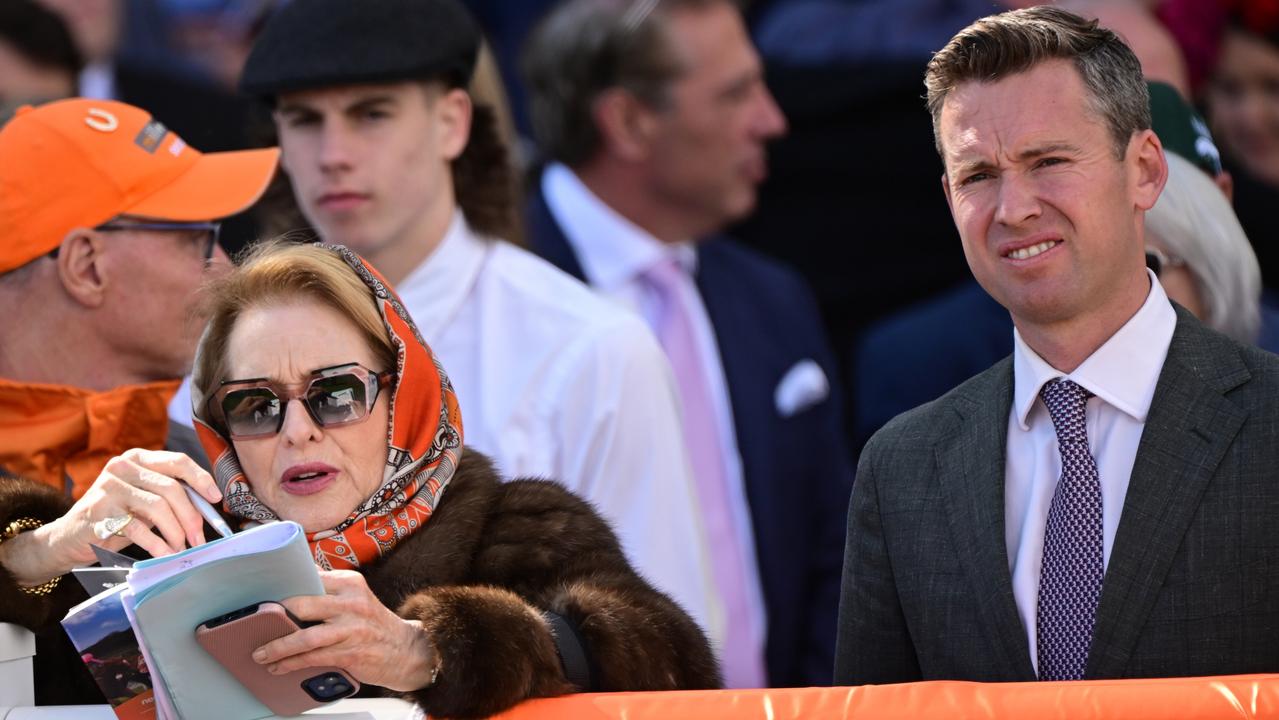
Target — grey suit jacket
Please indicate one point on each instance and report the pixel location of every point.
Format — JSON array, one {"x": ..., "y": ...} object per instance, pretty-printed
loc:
[{"x": 1192, "y": 586}]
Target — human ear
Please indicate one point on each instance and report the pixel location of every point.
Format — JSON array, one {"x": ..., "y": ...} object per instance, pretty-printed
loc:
[
  {"x": 625, "y": 124},
  {"x": 945, "y": 189},
  {"x": 453, "y": 120},
  {"x": 1226, "y": 182},
  {"x": 1149, "y": 166},
  {"x": 81, "y": 268}
]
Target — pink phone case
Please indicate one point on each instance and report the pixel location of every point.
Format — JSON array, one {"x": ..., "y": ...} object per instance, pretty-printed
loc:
[{"x": 231, "y": 640}]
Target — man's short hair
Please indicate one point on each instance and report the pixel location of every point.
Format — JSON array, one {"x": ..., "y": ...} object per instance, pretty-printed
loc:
[
  {"x": 20, "y": 276},
  {"x": 584, "y": 47},
  {"x": 1001, "y": 45}
]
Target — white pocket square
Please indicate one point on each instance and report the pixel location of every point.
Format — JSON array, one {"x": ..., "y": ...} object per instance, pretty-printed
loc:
[{"x": 802, "y": 387}]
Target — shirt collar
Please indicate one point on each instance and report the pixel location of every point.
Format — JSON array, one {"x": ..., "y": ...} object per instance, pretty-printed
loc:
[
  {"x": 440, "y": 285},
  {"x": 1122, "y": 372},
  {"x": 587, "y": 221}
]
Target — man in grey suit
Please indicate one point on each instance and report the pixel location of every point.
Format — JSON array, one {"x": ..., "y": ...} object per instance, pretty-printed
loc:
[{"x": 1102, "y": 503}]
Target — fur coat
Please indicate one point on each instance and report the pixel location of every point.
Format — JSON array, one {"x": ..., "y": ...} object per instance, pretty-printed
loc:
[{"x": 479, "y": 575}]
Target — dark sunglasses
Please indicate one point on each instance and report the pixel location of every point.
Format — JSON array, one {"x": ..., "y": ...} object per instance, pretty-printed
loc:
[{"x": 334, "y": 396}]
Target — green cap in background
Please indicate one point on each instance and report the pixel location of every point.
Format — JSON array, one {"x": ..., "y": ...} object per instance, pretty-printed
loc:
[{"x": 1181, "y": 129}]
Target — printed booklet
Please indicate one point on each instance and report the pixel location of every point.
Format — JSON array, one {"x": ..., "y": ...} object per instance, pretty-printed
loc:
[{"x": 138, "y": 635}]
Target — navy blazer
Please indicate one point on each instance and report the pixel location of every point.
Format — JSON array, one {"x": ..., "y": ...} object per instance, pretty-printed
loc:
[{"x": 796, "y": 467}]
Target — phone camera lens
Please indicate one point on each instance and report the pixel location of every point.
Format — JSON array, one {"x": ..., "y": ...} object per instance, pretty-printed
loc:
[{"x": 330, "y": 686}]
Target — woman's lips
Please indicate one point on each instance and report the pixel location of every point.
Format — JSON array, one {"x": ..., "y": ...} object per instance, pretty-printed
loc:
[
  {"x": 308, "y": 479},
  {"x": 309, "y": 486}
]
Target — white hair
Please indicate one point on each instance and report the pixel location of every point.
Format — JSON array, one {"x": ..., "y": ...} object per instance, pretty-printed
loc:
[{"x": 1194, "y": 221}]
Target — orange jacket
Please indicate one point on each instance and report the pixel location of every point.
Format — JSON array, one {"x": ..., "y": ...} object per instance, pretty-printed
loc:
[{"x": 52, "y": 433}]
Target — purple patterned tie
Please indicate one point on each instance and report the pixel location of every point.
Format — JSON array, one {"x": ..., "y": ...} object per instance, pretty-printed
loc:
[{"x": 1070, "y": 579}]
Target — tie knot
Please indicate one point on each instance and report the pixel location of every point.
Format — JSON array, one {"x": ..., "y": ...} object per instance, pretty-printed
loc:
[
  {"x": 1066, "y": 401},
  {"x": 665, "y": 273}
]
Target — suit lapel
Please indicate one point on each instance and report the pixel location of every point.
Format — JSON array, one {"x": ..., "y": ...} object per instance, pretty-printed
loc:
[
  {"x": 546, "y": 237},
  {"x": 970, "y": 466},
  {"x": 1188, "y": 430},
  {"x": 738, "y": 339}
]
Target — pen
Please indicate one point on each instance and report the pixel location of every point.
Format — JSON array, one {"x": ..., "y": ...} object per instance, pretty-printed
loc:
[{"x": 207, "y": 511}]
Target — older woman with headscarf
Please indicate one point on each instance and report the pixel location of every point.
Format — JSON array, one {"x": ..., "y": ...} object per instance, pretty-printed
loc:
[
  {"x": 1194, "y": 243},
  {"x": 319, "y": 403}
]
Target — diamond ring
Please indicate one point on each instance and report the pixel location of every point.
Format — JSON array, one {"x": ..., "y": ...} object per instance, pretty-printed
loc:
[{"x": 106, "y": 527}]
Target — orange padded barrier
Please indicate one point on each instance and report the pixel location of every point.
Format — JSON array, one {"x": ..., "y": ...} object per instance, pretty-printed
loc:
[{"x": 1239, "y": 696}]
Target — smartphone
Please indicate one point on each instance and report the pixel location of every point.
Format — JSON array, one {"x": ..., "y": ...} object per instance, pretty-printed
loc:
[{"x": 231, "y": 639}]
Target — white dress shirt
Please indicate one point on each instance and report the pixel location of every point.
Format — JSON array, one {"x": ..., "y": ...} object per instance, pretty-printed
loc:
[
  {"x": 1121, "y": 375},
  {"x": 555, "y": 382},
  {"x": 614, "y": 254}
]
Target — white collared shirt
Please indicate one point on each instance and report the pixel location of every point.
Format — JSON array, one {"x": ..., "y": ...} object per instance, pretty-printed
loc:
[
  {"x": 614, "y": 254},
  {"x": 555, "y": 382},
  {"x": 1121, "y": 375}
]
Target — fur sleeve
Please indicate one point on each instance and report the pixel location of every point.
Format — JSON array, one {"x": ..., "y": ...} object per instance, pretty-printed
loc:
[
  {"x": 495, "y": 650},
  {"x": 25, "y": 498},
  {"x": 554, "y": 549},
  {"x": 496, "y": 557},
  {"x": 636, "y": 637}
]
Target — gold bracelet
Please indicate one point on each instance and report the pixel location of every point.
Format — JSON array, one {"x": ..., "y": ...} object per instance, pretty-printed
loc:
[{"x": 10, "y": 532}]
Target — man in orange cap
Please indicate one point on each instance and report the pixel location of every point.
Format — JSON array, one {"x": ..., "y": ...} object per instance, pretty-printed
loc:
[{"x": 106, "y": 230}]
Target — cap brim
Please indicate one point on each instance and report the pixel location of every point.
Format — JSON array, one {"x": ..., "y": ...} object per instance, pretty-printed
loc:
[{"x": 217, "y": 185}]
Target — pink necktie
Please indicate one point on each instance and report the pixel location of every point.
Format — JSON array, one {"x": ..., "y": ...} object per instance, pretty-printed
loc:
[{"x": 742, "y": 661}]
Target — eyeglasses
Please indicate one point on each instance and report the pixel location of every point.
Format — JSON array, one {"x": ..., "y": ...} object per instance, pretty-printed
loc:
[
  {"x": 212, "y": 229},
  {"x": 1158, "y": 261},
  {"x": 334, "y": 396}
]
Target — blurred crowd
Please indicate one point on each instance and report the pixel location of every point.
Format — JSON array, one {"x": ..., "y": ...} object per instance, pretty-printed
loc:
[
  {"x": 828, "y": 289},
  {"x": 850, "y": 198}
]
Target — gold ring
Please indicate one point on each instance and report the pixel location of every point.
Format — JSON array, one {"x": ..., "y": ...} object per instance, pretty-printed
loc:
[{"x": 114, "y": 525}]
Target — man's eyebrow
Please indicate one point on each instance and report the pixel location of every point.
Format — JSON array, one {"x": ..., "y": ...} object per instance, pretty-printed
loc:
[
  {"x": 741, "y": 83},
  {"x": 292, "y": 108},
  {"x": 370, "y": 102},
  {"x": 965, "y": 167},
  {"x": 363, "y": 103},
  {"x": 1048, "y": 149}
]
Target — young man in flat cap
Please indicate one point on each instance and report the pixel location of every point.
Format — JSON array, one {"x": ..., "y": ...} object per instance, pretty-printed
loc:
[
  {"x": 388, "y": 155},
  {"x": 105, "y": 235}
]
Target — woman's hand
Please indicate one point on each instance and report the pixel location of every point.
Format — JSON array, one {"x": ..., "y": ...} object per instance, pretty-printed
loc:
[
  {"x": 357, "y": 634},
  {"x": 144, "y": 483}
]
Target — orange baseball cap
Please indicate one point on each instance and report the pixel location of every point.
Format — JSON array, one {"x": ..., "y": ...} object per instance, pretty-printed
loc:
[{"x": 80, "y": 162}]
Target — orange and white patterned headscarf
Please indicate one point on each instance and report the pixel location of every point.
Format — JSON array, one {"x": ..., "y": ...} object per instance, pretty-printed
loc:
[{"x": 424, "y": 443}]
